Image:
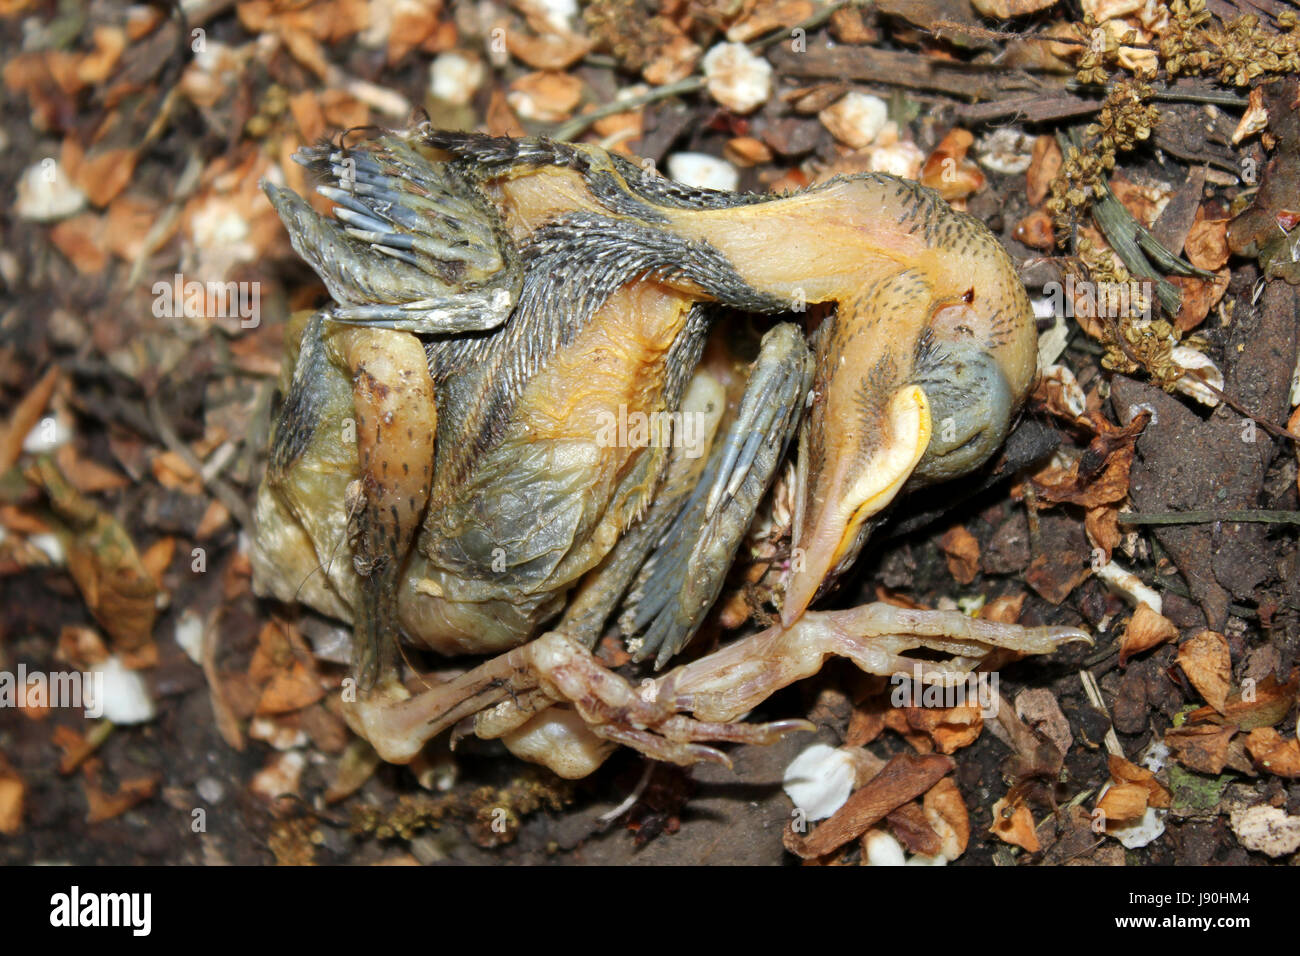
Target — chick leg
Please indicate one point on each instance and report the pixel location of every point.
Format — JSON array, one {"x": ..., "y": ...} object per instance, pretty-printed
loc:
[
  {"x": 716, "y": 690},
  {"x": 396, "y": 418},
  {"x": 554, "y": 667},
  {"x": 876, "y": 637}
]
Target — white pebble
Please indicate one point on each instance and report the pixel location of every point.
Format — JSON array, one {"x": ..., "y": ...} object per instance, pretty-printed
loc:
[
  {"x": 46, "y": 194},
  {"x": 51, "y": 432},
  {"x": 903, "y": 158},
  {"x": 819, "y": 780},
  {"x": 454, "y": 78},
  {"x": 882, "y": 849},
  {"x": 1005, "y": 150},
  {"x": 280, "y": 776},
  {"x": 189, "y": 635},
  {"x": 703, "y": 171},
  {"x": 1140, "y": 832},
  {"x": 921, "y": 859},
  {"x": 125, "y": 694},
  {"x": 1200, "y": 372},
  {"x": 855, "y": 119},
  {"x": 49, "y": 545},
  {"x": 210, "y": 790},
  {"x": 1265, "y": 829},
  {"x": 736, "y": 78}
]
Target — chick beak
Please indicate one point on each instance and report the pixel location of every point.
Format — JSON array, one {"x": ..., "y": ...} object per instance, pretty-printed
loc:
[{"x": 856, "y": 465}]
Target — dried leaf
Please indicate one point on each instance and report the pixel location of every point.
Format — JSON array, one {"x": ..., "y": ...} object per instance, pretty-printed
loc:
[
  {"x": 1006, "y": 9},
  {"x": 12, "y": 790},
  {"x": 24, "y": 417},
  {"x": 1036, "y": 231},
  {"x": 1203, "y": 748},
  {"x": 1124, "y": 771},
  {"x": 1123, "y": 802},
  {"x": 549, "y": 52},
  {"x": 947, "y": 813},
  {"x": 1101, "y": 475},
  {"x": 910, "y": 825},
  {"x": 948, "y": 171},
  {"x": 1146, "y": 629},
  {"x": 1273, "y": 754},
  {"x": 1014, "y": 824},
  {"x": 1263, "y": 704},
  {"x": 105, "y": 806},
  {"x": 963, "y": 553},
  {"x": 102, "y": 559},
  {"x": 1044, "y": 164},
  {"x": 1207, "y": 663},
  {"x": 951, "y": 728},
  {"x": 84, "y": 240},
  {"x": 545, "y": 97},
  {"x": 1004, "y": 610},
  {"x": 1039, "y": 709},
  {"x": 1207, "y": 243},
  {"x": 1199, "y": 296}
]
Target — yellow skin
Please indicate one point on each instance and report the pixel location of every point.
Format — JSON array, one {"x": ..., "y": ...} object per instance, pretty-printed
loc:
[{"x": 912, "y": 282}]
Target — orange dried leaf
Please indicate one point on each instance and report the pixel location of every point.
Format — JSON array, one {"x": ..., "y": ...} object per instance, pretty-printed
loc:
[
  {"x": 1036, "y": 231},
  {"x": 12, "y": 789},
  {"x": 1123, "y": 802},
  {"x": 87, "y": 475},
  {"x": 103, "y": 560},
  {"x": 946, "y": 811},
  {"x": 1123, "y": 772},
  {"x": 951, "y": 728},
  {"x": 1203, "y": 748},
  {"x": 1146, "y": 629},
  {"x": 948, "y": 171},
  {"x": 545, "y": 97},
  {"x": 1004, "y": 610},
  {"x": 1273, "y": 754},
  {"x": 1263, "y": 703},
  {"x": 1207, "y": 244},
  {"x": 105, "y": 806},
  {"x": 963, "y": 553},
  {"x": 24, "y": 417},
  {"x": 1208, "y": 665},
  {"x": 102, "y": 176},
  {"x": 83, "y": 239},
  {"x": 1014, "y": 824},
  {"x": 290, "y": 690},
  {"x": 1044, "y": 164}
]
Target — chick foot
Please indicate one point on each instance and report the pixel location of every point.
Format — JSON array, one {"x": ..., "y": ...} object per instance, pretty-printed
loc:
[
  {"x": 724, "y": 685},
  {"x": 511, "y": 690}
]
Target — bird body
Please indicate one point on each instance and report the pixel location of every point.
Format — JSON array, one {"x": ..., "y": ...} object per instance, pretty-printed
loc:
[{"x": 558, "y": 418}]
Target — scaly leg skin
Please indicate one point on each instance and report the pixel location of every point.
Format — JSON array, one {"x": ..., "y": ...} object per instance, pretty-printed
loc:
[
  {"x": 729, "y": 682},
  {"x": 717, "y": 689},
  {"x": 396, "y": 420}
]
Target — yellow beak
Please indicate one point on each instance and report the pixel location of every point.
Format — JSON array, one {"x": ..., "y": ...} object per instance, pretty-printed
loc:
[{"x": 858, "y": 476}]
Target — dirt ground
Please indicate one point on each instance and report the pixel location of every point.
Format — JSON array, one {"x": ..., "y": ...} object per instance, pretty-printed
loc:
[{"x": 1148, "y": 495}]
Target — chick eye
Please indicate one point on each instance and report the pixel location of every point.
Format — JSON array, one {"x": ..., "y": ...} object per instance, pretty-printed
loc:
[{"x": 969, "y": 295}]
